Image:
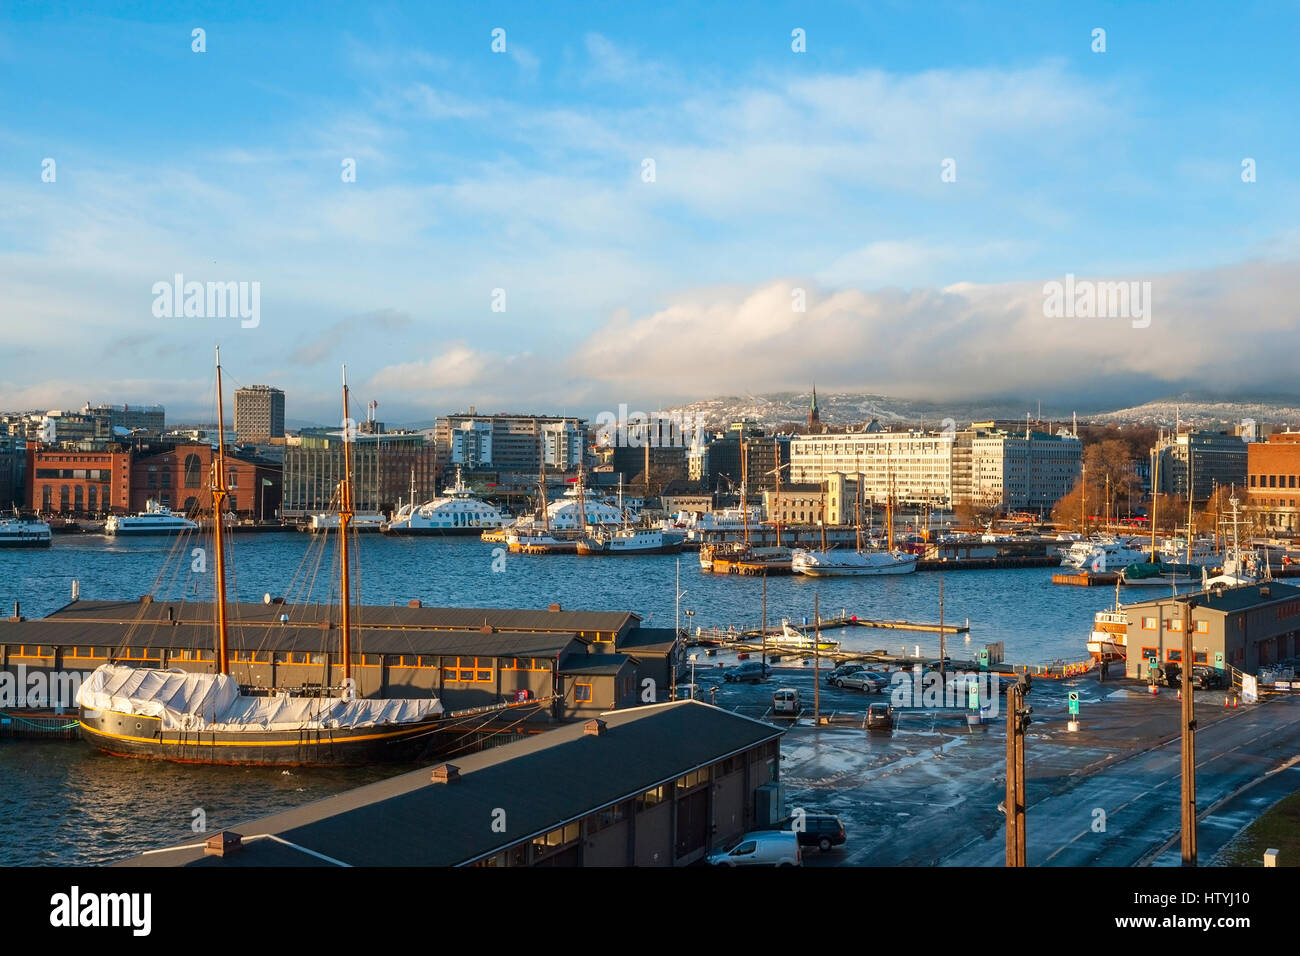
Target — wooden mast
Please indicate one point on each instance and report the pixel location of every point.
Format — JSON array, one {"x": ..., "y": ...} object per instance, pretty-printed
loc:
[
  {"x": 744, "y": 483},
  {"x": 541, "y": 485},
  {"x": 776, "y": 448},
  {"x": 857, "y": 510},
  {"x": 821, "y": 517},
  {"x": 345, "y": 518},
  {"x": 1155, "y": 497},
  {"x": 219, "y": 493}
]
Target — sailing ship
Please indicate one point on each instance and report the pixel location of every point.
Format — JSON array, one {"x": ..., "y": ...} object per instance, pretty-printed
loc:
[
  {"x": 836, "y": 563},
  {"x": 1240, "y": 567},
  {"x": 457, "y": 512},
  {"x": 207, "y": 718},
  {"x": 725, "y": 557}
]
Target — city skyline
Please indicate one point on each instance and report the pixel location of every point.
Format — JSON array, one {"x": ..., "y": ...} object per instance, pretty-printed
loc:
[{"x": 780, "y": 178}]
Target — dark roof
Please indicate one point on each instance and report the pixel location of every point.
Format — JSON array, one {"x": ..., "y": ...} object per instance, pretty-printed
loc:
[
  {"x": 594, "y": 664},
  {"x": 1232, "y": 599},
  {"x": 288, "y": 637},
  {"x": 648, "y": 640},
  {"x": 541, "y": 783},
  {"x": 457, "y": 618}
]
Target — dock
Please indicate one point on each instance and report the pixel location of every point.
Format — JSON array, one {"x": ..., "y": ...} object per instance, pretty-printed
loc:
[
  {"x": 38, "y": 725},
  {"x": 1086, "y": 579}
]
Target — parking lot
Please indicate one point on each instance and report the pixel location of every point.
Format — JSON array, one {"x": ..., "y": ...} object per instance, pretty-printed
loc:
[{"x": 927, "y": 792}]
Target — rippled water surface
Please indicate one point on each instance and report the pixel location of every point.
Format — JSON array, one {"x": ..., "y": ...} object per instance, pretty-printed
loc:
[{"x": 64, "y": 803}]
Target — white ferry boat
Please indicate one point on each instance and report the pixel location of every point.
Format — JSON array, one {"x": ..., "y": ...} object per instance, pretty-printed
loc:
[
  {"x": 457, "y": 512},
  {"x": 631, "y": 541},
  {"x": 360, "y": 523},
  {"x": 1107, "y": 554},
  {"x": 155, "y": 519},
  {"x": 19, "y": 532}
]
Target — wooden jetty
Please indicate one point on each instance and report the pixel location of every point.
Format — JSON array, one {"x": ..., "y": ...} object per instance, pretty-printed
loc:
[{"x": 1086, "y": 579}]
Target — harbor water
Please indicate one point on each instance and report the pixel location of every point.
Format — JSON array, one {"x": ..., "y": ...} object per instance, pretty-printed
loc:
[{"x": 64, "y": 803}]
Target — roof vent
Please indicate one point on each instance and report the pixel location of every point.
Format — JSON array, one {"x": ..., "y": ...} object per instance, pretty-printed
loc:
[
  {"x": 446, "y": 773},
  {"x": 1265, "y": 590},
  {"x": 595, "y": 728},
  {"x": 227, "y": 841},
  {"x": 555, "y": 607}
]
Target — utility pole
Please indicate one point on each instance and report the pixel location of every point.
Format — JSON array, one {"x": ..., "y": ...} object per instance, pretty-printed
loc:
[
  {"x": 943, "y": 676},
  {"x": 763, "y": 628},
  {"x": 1189, "y": 741},
  {"x": 817, "y": 680},
  {"x": 1014, "y": 806}
]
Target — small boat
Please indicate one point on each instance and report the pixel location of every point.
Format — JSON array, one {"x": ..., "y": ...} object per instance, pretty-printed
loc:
[
  {"x": 20, "y": 532},
  {"x": 792, "y": 638},
  {"x": 1160, "y": 574},
  {"x": 630, "y": 541},
  {"x": 825, "y": 564},
  {"x": 155, "y": 519},
  {"x": 360, "y": 523},
  {"x": 1109, "y": 638}
]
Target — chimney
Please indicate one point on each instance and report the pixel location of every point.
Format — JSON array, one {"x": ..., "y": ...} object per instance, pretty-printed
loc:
[
  {"x": 171, "y": 614},
  {"x": 555, "y": 607},
  {"x": 227, "y": 841},
  {"x": 1265, "y": 591},
  {"x": 415, "y": 603},
  {"x": 446, "y": 773},
  {"x": 595, "y": 728}
]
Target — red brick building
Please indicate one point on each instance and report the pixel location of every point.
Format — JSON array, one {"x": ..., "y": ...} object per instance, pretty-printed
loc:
[
  {"x": 77, "y": 482},
  {"x": 1273, "y": 480},
  {"x": 122, "y": 481}
]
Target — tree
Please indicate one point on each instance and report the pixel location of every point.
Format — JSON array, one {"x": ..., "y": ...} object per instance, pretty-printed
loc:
[{"x": 1068, "y": 512}]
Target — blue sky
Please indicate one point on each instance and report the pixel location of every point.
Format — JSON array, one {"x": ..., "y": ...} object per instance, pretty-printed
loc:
[{"x": 775, "y": 171}]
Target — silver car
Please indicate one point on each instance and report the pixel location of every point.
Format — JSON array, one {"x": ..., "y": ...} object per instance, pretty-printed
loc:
[{"x": 861, "y": 680}]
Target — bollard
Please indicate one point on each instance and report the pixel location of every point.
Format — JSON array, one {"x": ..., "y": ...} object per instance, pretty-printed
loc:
[
  {"x": 1154, "y": 690},
  {"x": 1270, "y": 858}
]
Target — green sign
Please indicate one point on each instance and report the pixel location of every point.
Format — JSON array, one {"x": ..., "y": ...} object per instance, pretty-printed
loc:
[
  {"x": 1074, "y": 702},
  {"x": 973, "y": 695}
]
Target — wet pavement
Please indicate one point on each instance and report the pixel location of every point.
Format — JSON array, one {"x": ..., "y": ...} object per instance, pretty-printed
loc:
[{"x": 927, "y": 792}]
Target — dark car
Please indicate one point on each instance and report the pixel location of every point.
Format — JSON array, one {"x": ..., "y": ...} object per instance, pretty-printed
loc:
[
  {"x": 844, "y": 670},
  {"x": 1203, "y": 677},
  {"x": 822, "y": 830},
  {"x": 880, "y": 717},
  {"x": 754, "y": 671}
]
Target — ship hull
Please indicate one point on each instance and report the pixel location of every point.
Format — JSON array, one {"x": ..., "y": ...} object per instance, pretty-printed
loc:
[
  {"x": 407, "y": 532},
  {"x": 34, "y": 541},
  {"x": 132, "y": 735}
]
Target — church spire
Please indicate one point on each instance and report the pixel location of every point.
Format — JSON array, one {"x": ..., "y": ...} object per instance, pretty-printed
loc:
[{"x": 814, "y": 418}]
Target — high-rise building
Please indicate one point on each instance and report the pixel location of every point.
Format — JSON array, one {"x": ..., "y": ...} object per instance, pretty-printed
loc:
[
  {"x": 510, "y": 443},
  {"x": 259, "y": 413},
  {"x": 1214, "y": 459},
  {"x": 148, "y": 419},
  {"x": 916, "y": 465}
]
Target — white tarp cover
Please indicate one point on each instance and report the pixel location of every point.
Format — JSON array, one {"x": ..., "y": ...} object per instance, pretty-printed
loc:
[{"x": 212, "y": 702}]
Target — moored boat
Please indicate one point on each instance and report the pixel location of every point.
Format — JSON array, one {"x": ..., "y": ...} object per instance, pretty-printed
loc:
[
  {"x": 155, "y": 519},
  {"x": 21, "y": 532}
]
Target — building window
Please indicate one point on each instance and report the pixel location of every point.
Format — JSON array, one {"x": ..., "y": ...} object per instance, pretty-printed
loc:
[
  {"x": 652, "y": 797},
  {"x": 1148, "y": 623},
  {"x": 1150, "y": 654},
  {"x": 1173, "y": 624},
  {"x": 1174, "y": 655},
  {"x": 1202, "y": 627},
  {"x": 693, "y": 779},
  {"x": 193, "y": 471},
  {"x": 557, "y": 838},
  {"x": 474, "y": 670},
  {"x": 1200, "y": 657},
  {"x": 582, "y": 693}
]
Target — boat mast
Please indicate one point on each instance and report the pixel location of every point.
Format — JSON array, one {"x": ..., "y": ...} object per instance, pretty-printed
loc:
[
  {"x": 821, "y": 517},
  {"x": 776, "y": 449},
  {"x": 541, "y": 483},
  {"x": 857, "y": 511},
  {"x": 345, "y": 518},
  {"x": 219, "y": 493},
  {"x": 1155, "y": 497},
  {"x": 1189, "y": 498},
  {"x": 744, "y": 483},
  {"x": 582, "y": 502}
]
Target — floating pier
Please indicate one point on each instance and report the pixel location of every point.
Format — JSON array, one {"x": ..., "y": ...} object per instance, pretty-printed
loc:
[
  {"x": 1086, "y": 579},
  {"x": 38, "y": 725}
]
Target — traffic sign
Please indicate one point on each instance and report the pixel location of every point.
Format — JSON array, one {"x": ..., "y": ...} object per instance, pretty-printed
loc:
[{"x": 1074, "y": 702}]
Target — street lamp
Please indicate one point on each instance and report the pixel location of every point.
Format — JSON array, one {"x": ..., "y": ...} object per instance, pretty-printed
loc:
[{"x": 693, "y": 656}]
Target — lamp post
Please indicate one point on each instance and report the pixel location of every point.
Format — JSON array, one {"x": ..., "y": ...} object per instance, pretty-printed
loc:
[{"x": 693, "y": 656}]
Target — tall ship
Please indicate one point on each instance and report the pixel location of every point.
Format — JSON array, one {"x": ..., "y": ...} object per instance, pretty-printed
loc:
[
  {"x": 155, "y": 519},
  {"x": 830, "y": 562},
  {"x": 207, "y": 718},
  {"x": 457, "y": 512},
  {"x": 743, "y": 556},
  {"x": 17, "y": 531}
]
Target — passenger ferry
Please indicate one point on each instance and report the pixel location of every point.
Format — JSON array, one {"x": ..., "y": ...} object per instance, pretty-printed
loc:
[
  {"x": 457, "y": 512},
  {"x": 155, "y": 519},
  {"x": 631, "y": 541},
  {"x": 19, "y": 532}
]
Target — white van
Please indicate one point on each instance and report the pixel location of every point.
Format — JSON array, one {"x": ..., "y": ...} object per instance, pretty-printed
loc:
[
  {"x": 762, "y": 848},
  {"x": 786, "y": 701}
]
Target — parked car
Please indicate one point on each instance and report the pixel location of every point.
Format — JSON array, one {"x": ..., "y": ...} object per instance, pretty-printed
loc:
[
  {"x": 843, "y": 671},
  {"x": 1203, "y": 677},
  {"x": 822, "y": 830},
  {"x": 762, "y": 848},
  {"x": 753, "y": 671},
  {"x": 880, "y": 717},
  {"x": 861, "y": 680},
  {"x": 786, "y": 701}
]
